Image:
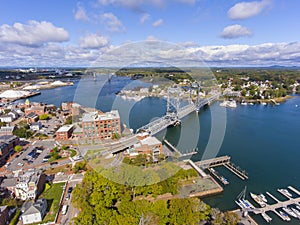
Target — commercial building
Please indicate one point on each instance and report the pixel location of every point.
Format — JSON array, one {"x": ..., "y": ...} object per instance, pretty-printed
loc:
[
  {"x": 64, "y": 132},
  {"x": 101, "y": 125},
  {"x": 7, "y": 144},
  {"x": 149, "y": 146}
]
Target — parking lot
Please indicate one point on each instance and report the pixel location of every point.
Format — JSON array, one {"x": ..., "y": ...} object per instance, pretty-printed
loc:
[{"x": 28, "y": 159}]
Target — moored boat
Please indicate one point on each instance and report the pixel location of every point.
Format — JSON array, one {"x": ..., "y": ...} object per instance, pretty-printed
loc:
[
  {"x": 297, "y": 212},
  {"x": 266, "y": 217},
  {"x": 284, "y": 216},
  {"x": 285, "y": 192},
  {"x": 258, "y": 199},
  {"x": 290, "y": 212},
  {"x": 230, "y": 104},
  {"x": 263, "y": 198}
]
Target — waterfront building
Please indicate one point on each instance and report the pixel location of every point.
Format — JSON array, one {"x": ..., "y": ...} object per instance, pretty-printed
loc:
[
  {"x": 101, "y": 125},
  {"x": 71, "y": 108},
  {"x": 149, "y": 146},
  {"x": 37, "y": 109}
]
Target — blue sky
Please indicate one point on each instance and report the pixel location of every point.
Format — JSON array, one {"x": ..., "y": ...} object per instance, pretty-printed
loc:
[{"x": 220, "y": 32}]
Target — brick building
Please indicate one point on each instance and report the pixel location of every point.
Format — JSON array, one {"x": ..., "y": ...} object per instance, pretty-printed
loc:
[
  {"x": 101, "y": 125},
  {"x": 4, "y": 215},
  {"x": 64, "y": 132}
]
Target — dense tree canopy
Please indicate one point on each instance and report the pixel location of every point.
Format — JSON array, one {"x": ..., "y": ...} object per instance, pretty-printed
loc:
[{"x": 102, "y": 201}]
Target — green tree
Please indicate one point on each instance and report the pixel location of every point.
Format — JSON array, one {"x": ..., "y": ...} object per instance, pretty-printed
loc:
[
  {"x": 44, "y": 117},
  {"x": 22, "y": 132},
  {"x": 231, "y": 218},
  {"x": 184, "y": 211},
  {"x": 18, "y": 148},
  {"x": 79, "y": 166},
  {"x": 69, "y": 120}
]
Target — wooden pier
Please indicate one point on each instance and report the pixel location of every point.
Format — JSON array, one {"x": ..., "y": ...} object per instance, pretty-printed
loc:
[{"x": 222, "y": 161}]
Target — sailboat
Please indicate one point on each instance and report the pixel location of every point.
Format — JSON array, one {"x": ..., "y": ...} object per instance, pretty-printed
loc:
[{"x": 242, "y": 202}]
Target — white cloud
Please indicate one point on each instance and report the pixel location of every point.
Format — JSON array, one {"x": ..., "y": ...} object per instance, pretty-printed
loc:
[
  {"x": 32, "y": 34},
  {"x": 158, "y": 23},
  {"x": 93, "y": 41},
  {"x": 235, "y": 31},
  {"x": 244, "y": 10},
  {"x": 144, "y": 18},
  {"x": 151, "y": 53},
  {"x": 112, "y": 22},
  {"x": 80, "y": 13}
]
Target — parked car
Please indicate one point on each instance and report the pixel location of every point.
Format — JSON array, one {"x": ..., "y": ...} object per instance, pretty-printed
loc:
[
  {"x": 77, "y": 157},
  {"x": 68, "y": 196},
  {"x": 70, "y": 189}
]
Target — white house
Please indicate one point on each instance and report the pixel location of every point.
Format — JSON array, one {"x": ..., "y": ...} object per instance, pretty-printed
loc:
[
  {"x": 6, "y": 118},
  {"x": 29, "y": 185},
  {"x": 34, "y": 212},
  {"x": 13, "y": 114},
  {"x": 36, "y": 126}
]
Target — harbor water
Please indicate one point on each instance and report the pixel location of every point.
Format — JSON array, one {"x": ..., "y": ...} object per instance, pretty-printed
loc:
[{"x": 263, "y": 140}]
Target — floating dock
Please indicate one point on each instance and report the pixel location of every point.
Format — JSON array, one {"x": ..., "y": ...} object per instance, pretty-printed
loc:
[
  {"x": 275, "y": 207},
  {"x": 216, "y": 175}
]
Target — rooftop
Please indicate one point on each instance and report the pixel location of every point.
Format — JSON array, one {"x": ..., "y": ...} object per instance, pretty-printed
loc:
[
  {"x": 150, "y": 141},
  {"x": 95, "y": 116},
  {"x": 65, "y": 128}
]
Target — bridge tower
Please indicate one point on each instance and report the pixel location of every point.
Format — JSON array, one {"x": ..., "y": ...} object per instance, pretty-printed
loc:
[{"x": 174, "y": 97}]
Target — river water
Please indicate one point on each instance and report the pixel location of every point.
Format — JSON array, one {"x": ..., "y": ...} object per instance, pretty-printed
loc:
[{"x": 263, "y": 140}]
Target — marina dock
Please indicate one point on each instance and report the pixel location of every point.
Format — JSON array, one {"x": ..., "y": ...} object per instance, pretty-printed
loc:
[
  {"x": 216, "y": 175},
  {"x": 222, "y": 161},
  {"x": 274, "y": 207}
]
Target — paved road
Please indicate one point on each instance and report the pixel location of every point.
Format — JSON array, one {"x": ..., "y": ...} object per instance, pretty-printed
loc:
[{"x": 72, "y": 212}]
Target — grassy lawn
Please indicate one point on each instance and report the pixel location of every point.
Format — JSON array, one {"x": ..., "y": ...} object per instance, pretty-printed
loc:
[{"x": 52, "y": 195}]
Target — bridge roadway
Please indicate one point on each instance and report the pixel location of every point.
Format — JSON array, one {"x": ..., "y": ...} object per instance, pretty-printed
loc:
[{"x": 172, "y": 118}]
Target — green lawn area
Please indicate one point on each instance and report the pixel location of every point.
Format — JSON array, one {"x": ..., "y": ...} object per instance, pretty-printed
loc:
[{"x": 52, "y": 195}]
